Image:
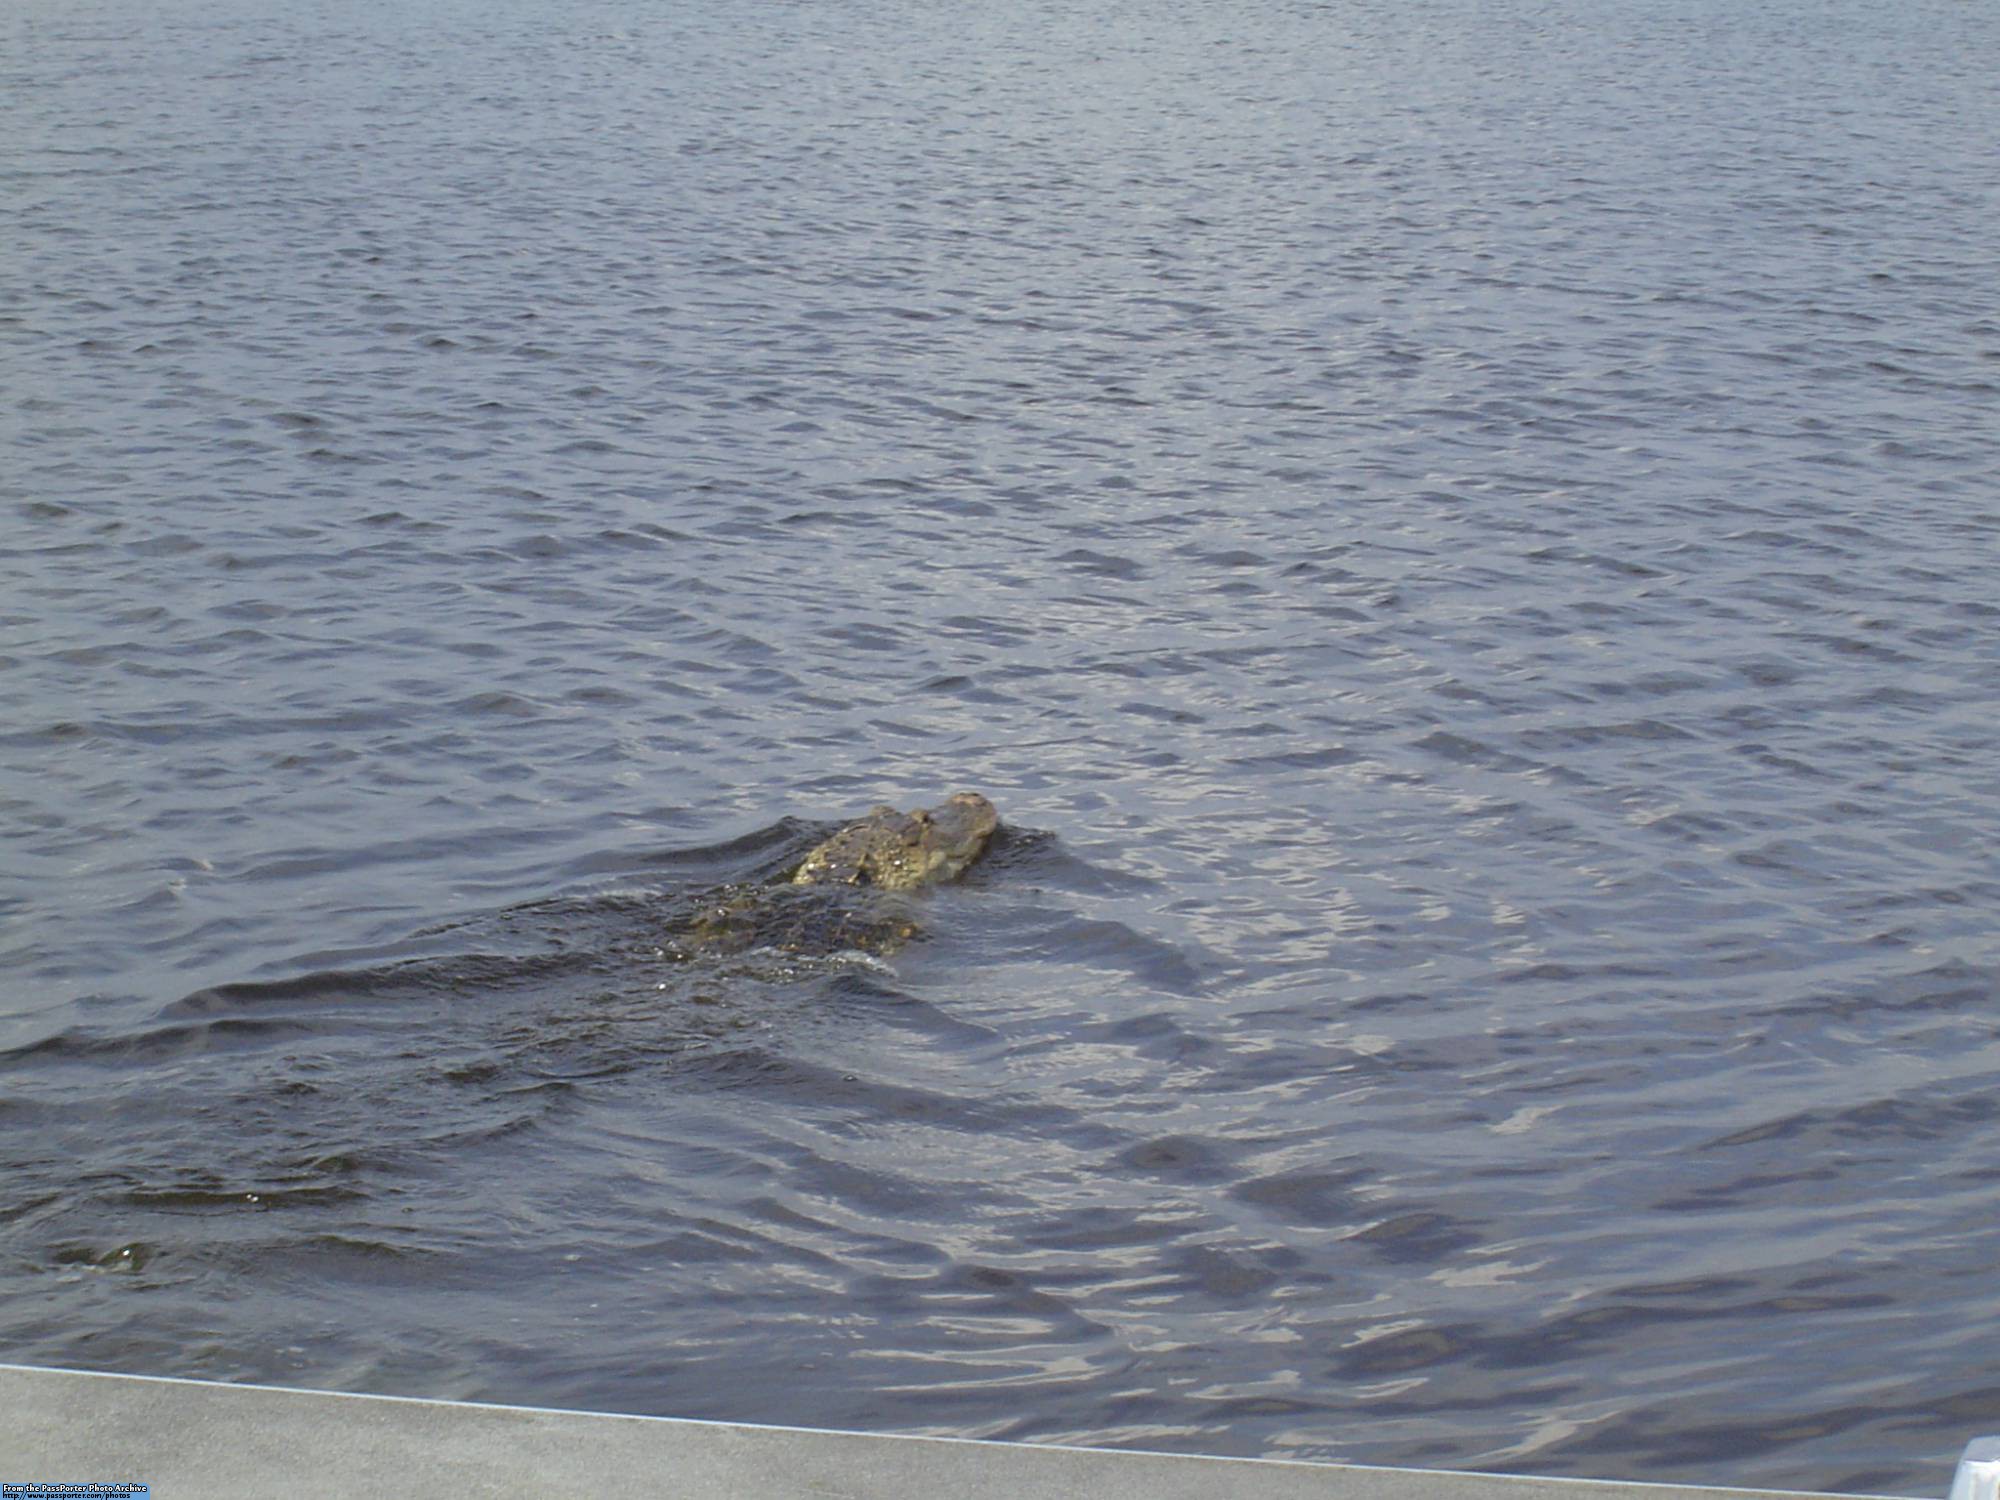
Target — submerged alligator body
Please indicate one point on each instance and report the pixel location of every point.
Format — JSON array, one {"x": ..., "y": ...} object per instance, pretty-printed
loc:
[{"x": 846, "y": 894}]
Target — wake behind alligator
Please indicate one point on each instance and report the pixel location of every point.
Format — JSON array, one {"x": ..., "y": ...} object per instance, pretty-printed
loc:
[{"x": 848, "y": 893}]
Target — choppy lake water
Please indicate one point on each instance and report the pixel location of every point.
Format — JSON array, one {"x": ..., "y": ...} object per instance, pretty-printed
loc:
[{"x": 1461, "y": 537}]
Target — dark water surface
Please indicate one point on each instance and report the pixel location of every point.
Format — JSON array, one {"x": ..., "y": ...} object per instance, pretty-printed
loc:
[{"x": 1461, "y": 537}]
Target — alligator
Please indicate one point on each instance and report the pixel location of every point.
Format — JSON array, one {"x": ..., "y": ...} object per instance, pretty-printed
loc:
[{"x": 815, "y": 909}]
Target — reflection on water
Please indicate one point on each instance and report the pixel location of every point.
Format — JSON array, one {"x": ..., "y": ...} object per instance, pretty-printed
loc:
[{"x": 1459, "y": 538}]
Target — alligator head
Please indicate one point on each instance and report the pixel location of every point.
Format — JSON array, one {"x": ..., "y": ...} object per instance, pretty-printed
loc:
[{"x": 901, "y": 851}]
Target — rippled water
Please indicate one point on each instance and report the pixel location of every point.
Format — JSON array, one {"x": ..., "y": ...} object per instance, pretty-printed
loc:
[{"x": 1461, "y": 538}]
